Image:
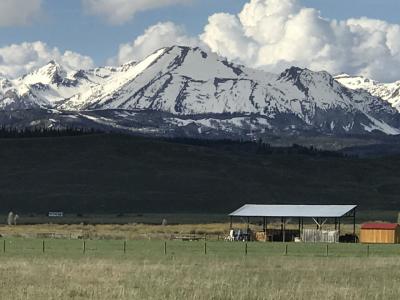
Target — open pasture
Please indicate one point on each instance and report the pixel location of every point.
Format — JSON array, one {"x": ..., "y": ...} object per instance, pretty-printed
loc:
[
  {"x": 119, "y": 262},
  {"x": 185, "y": 271},
  {"x": 145, "y": 249}
]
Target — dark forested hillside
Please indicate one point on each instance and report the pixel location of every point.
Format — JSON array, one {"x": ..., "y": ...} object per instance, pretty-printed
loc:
[{"x": 117, "y": 173}]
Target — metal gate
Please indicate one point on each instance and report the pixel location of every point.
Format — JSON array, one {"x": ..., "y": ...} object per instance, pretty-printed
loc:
[{"x": 320, "y": 236}]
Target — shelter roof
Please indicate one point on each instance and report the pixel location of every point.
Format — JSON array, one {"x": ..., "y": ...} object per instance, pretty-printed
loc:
[
  {"x": 386, "y": 226},
  {"x": 327, "y": 211}
]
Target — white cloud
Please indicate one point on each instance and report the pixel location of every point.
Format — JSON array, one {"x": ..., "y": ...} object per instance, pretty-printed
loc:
[
  {"x": 19, "y": 12},
  {"x": 18, "y": 59},
  {"x": 155, "y": 37},
  {"x": 273, "y": 34},
  {"x": 266, "y": 34},
  {"x": 121, "y": 11}
]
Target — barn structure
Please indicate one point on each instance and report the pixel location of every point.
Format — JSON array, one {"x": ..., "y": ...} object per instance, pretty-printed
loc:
[
  {"x": 380, "y": 233},
  {"x": 319, "y": 214}
]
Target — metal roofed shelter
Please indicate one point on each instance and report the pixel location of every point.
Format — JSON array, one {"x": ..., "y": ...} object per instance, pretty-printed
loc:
[{"x": 315, "y": 212}]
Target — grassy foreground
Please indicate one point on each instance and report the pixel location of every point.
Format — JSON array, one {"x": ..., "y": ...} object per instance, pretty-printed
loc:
[
  {"x": 137, "y": 261},
  {"x": 199, "y": 278},
  {"x": 103, "y": 270}
]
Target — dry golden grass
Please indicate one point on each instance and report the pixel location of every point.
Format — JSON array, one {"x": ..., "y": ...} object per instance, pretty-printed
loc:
[
  {"x": 128, "y": 231},
  {"x": 131, "y": 231},
  {"x": 200, "y": 278}
]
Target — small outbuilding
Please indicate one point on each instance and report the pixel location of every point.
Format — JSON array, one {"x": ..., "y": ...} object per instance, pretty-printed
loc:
[{"x": 380, "y": 233}]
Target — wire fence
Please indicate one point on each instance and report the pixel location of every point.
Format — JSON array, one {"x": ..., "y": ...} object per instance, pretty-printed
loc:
[{"x": 177, "y": 248}]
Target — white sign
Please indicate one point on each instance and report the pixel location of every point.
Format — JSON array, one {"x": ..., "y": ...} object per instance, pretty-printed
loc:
[{"x": 57, "y": 214}]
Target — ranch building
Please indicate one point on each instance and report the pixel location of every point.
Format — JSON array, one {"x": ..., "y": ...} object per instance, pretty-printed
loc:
[
  {"x": 319, "y": 215},
  {"x": 380, "y": 233}
]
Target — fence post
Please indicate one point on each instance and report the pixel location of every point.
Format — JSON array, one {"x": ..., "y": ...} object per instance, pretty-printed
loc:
[
  {"x": 124, "y": 247},
  {"x": 286, "y": 249},
  {"x": 205, "y": 247},
  {"x": 245, "y": 248},
  {"x": 43, "y": 249},
  {"x": 4, "y": 246},
  {"x": 327, "y": 250},
  {"x": 367, "y": 250},
  {"x": 84, "y": 247},
  {"x": 165, "y": 248}
]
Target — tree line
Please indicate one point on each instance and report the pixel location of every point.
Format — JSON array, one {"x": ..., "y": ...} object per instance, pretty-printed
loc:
[
  {"x": 10, "y": 132},
  {"x": 257, "y": 147},
  {"x": 240, "y": 146}
]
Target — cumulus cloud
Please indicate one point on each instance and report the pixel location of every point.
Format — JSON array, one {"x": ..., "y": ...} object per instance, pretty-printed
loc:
[
  {"x": 155, "y": 37},
  {"x": 18, "y": 59},
  {"x": 224, "y": 34},
  {"x": 19, "y": 12},
  {"x": 121, "y": 11},
  {"x": 274, "y": 34}
]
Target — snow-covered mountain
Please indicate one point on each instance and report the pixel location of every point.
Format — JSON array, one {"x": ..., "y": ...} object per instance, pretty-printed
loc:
[
  {"x": 182, "y": 90},
  {"x": 386, "y": 91}
]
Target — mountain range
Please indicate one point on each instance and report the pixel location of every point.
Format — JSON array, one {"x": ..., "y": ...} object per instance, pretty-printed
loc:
[
  {"x": 183, "y": 91},
  {"x": 389, "y": 92}
]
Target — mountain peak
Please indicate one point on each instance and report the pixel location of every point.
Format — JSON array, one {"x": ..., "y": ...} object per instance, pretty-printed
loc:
[
  {"x": 53, "y": 62},
  {"x": 355, "y": 82},
  {"x": 301, "y": 77},
  {"x": 292, "y": 73},
  {"x": 51, "y": 67},
  {"x": 389, "y": 92},
  {"x": 51, "y": 73}
]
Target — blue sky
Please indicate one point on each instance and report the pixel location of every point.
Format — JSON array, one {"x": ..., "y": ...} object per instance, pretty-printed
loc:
[
  {"x": 273, "y": 34},
  {"x": 65, "y": 25}
]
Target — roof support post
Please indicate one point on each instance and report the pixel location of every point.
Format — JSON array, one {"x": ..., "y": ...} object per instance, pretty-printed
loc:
[
  {"x": 264, "y": 225},
  {"x": 230, "y": 226},
  {"x": 354, "y": 225},
  {"x": 335, "y": 223},
  {"x": 300, "y": 225},
  {"x": 248, "y": 223},
  {"x": 265, "y": 228},
  {"x": 283, "y": 229},
  {"x": 339, "y": 227}
]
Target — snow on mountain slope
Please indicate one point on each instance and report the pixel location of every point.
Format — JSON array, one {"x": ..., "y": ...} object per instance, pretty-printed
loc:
[
  {"x": 186, "y": 81},
  {"x": 5, "y": 84},
  {"x": 43, "y": 88},
  {"x": 387, "y": 91},
  {"x": 54, "y": 85},
  {"x": 201, "y": 89},
  {"x": 162, "y": 79},
  {"x": 112, "y": 87}
]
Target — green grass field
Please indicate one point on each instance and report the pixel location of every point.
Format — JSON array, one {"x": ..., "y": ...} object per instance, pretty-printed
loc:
[
  {"x": 143, "y": 249},
  {"x": 144, "y": 271}
]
